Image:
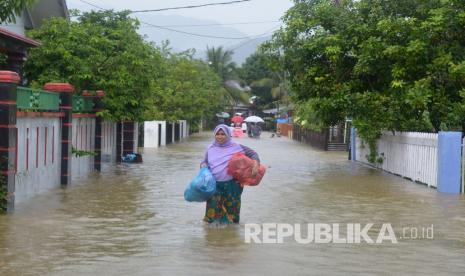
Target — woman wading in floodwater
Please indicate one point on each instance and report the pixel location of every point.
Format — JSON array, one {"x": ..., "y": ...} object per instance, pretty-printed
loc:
[{"x": 225, "y": 205}]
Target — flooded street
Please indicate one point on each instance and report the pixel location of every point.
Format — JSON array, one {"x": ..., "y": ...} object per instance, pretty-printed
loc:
[{"x": 132, "y": 219}]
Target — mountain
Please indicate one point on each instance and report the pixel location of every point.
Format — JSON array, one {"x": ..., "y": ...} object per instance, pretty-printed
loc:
[
  {"x": 243, "y": 50},
  {"x": 180, "y": 41}
]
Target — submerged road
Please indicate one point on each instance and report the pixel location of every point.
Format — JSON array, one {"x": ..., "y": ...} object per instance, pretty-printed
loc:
[{"x": 132, "y": 220}]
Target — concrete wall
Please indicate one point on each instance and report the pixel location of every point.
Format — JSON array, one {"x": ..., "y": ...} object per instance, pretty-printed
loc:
[
  {"x": 39, "y": 153},
  {"x": 83, "y": 139},
  {"x": 151, "y": 134}
]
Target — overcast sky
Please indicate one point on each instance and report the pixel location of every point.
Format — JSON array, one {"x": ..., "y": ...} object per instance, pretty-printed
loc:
[
  {"x": 252, "y": 11},
  {"x": 255, "y": 10}
]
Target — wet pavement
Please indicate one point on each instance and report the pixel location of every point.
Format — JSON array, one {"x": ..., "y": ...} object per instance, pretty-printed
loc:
[{"x": 131, "y": 219}]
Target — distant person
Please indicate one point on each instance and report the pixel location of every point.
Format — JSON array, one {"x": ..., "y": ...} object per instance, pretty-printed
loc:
[
  {"x": 256, "y": 131},
  {"x": 225, "y": 204},
  {"x": 244, "y": 127}
]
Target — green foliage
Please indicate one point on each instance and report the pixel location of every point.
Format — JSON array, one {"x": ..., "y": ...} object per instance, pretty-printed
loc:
[
  {"x": 189, "y": 89},
  {"x": 255, "y": 67},
  {"x": 220, "y": 61},
  {"x": 3, "y": 58},
  {"x": 102, "y": 50},
  {"x": 82, "y": 153},
  {"x": 10, "y": 8},
  {"x": 395, "y": 65},
  {"x": 266, "y": 80}
]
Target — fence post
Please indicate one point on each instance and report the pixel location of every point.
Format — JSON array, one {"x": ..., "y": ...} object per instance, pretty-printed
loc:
[
  {"x": 98, "y": 131},
  {"x": 8, "y": 138},
  {"x": 128, "y": 137},
  {"x": 66, "y": 96},
  {"x": 353, "y": 144},
  {"x": 119, "y": 129},
  {"x": 449, "y": 161}
]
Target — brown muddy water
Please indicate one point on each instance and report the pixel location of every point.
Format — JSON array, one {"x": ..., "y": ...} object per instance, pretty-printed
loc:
[{"x": 132, "y": 220}]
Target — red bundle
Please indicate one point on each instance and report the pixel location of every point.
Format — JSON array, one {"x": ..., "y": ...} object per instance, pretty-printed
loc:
[{"x": 240, "y": 167}]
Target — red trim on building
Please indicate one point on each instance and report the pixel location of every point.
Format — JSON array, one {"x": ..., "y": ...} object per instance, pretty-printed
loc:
[
  {"x": 53, "y": 144},
  {"x": 76, "y": 138},
  {"x": 65, "y": 141},
  {"x": 59, "y": 87},
  {"x": 83, "y": 115},
  {"x": 37, "y": 147},
  {"x": 7, "y": 126},
  {"x": 28, "y": 41},
  {"x": 27, "y": 149},
  {"x": 81, "y": 136},
  {"x": 8, "y": 102},
  {"x": 16, "y": 151},
  {"x": 45, "y": 147},
  {"x": 39, "y": 114},
  {"x": 8, "y": 172},
  {"x": 8, "y": 76},
  {"x": 100, "y": 93},
  {"x": 7, "y": 149}
]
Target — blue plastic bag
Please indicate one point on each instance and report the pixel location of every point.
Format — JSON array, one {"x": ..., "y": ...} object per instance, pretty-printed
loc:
[{"x": 202, "y": 187}]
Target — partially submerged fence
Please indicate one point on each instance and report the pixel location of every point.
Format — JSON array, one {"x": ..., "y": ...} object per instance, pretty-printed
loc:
[
  {"x": 412, "y": 155},
  {"x": 161, "y": 133},
  {"x": 434, "y": 159},
  {"x": 332, "y": 138},
  {"x": 50, "y": 136}
]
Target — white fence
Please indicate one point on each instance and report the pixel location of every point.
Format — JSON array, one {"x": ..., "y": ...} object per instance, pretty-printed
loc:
[
  {"x": 108, "y": 141},
  {"x": 83, "y": 139},
  {"x": 408, "y": 154},
  {"x": 38, "y": 156}
]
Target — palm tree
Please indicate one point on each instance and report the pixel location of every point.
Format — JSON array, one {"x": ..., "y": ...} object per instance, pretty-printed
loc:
[{"x": 220, "y": 61}]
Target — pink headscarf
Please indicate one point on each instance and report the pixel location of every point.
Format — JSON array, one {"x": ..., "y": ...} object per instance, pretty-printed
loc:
[{"x": 218, "y": 155}]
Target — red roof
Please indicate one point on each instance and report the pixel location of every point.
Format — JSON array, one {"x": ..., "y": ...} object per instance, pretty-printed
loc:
[{"x": 20, "y": 38}]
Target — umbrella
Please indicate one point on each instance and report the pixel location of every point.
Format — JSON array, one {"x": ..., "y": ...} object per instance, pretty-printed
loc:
[
  {"x": 237, "y": 119},
  {"x": 222, "y": 115},
  {"x": 254, "y": 119}
]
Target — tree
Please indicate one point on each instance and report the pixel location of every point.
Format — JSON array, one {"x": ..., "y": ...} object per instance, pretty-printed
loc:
[
  {"x": 9, "y": 9},
  {"x": 266, "y": 80},
  {"x": 188, "y": 89},
  {"x": 255, "y": 67},
  {"x": 221, "y": 63},
  {"x": 100, "y": 50},
  {"x": 396, "y": 65}
]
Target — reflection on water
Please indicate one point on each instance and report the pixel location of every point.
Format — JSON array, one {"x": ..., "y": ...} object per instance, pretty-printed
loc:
[{"x": 132, "y": 219}]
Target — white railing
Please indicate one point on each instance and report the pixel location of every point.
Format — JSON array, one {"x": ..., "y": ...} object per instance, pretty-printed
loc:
[{"x": 409, "y": 154}]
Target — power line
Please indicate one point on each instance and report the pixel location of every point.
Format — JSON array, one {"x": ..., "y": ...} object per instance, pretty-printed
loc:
[
  {"x": 174, "y": 8},
  {"x": 93, "y": 5},
  {"x": 193, "y": 6},
  {"x": 221, "y": 24},
  {"x": 270, "y": 31},
  {"x": 194, "y": 34},
  {"x": 173, "y": 30}
]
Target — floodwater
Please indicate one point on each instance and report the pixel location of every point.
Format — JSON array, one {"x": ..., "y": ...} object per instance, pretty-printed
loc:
[{"x": 133, "y": 220}]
